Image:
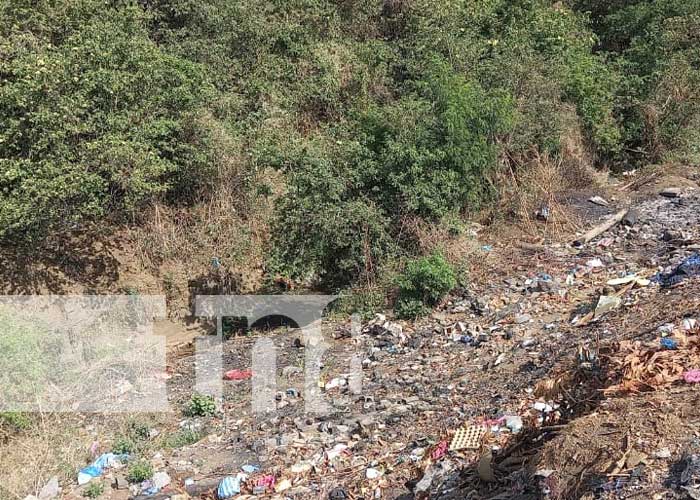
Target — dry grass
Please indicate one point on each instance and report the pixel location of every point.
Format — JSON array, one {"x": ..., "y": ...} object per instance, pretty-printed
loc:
[
  {"x": 456, "y": 247},
  {"x": 58, "y": 444},
  {"x": 228, "y": 224},
  {"x": 542, "y": 182}
]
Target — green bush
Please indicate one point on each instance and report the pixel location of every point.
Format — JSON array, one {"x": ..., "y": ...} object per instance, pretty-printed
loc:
[
  {"x": 408, "y": 308},
  {"x": 184, "y": 437},
  {"x": 139, "y": 471},
  {"x": 97, "y": 118},
  {"x": 124, "y": 445},
  {"x": 653, "y": 45},
  {"x": 423, "y": 284},
  {"x": 94, "y": 489},
  {"x": 200, "y": 405},
  {"x": 17, "y": 421},
  {"x": 325, "y": 229},
  {"x": 425, "y": 155}
]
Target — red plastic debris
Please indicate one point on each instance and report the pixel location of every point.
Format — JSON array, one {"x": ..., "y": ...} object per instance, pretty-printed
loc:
[
  {"x": 439, "y": 450},
  {"x": 238, "y": 374}
]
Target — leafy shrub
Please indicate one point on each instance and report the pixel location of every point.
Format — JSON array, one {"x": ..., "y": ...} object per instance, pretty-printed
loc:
[
  {"x": 426, "y": 155},
  {"x": 15, "y": 420},
  {"x": 184, "y": 437},
  {"x": 124, "y": 445},
  {"x": 139, "y": 471},
  {"x": 325, "y": 229},
  {"x": 201, "y": 405},
  {"x": 408, "y": 308},
  {"x": 424, "y": 283},
  {"x": 97, "y": 117},
  {"x": 94, "y": 489}
]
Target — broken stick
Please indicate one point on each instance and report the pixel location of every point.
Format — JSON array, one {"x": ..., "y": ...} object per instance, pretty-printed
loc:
[{"x": 600, "y": 229}]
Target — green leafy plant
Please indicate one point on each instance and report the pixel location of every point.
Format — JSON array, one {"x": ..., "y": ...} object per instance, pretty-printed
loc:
[
  {"x": 184, "y": 437},
  {"x": 139, "y": 471},
  {"x": 94, "y": 489},
  {"x": 200, "y": 405},
  {"x": 408, "y": 308},
  {"x": 17, "y": 421},
  {"x": 124, "y": 445},
  {"x": 424, "y": 282}
]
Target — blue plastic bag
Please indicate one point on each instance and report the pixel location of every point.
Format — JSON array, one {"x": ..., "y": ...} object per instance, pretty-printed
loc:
[
  {"x": 96, "y": 469},
  {"x": 230, "y": 486}
]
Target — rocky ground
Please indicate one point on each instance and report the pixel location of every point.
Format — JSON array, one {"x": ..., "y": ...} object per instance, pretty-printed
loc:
[{"x": 524, "y": 385}]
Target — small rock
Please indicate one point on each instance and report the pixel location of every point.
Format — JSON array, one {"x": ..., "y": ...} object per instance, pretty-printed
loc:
[
  {"x": 671, "y": 192},
  {"x": 338, "y": 494},
  {"x": 631, "y": 218},
  {"x": 529, "y": 342},
  {"x": 120, "y": 483},
  {"x": 300, "y": 492},
  {"x": 289, "y": 371},
  {"x": 663, "y": 453},
  {"x": 522, "y": 319}
]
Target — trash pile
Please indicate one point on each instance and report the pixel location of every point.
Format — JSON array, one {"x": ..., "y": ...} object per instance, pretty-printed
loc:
[
  {"x": 456, "y": 403},
  {"x": 647, "y": 366}
]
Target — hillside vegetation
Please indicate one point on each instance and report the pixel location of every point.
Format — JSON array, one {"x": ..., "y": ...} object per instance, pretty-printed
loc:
[{"x": 332, "y": 129}]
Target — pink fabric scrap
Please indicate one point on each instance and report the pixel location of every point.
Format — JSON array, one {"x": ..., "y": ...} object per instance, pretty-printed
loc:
[
  {"x": 439, "y": 451},
  {"x": 267, "y": 481},
  {"x": 692, "y": 376}
]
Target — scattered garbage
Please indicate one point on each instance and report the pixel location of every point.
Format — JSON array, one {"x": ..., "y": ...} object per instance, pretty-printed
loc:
[
  {"x": 238, "y": 374},
  {"x": 283, "y": 485},
  {"x": 467, "y": 438},
  {"x": 689, "y": 267},
  {"x": 607, "y": 303},
  {"x": 439, "y": 450},
  {"x": 514, "y": 423},
  {"x": 335, "y": 383},
  {"x": 420, "y": 377},
  {"x": 598, "y": 200},
  {"x": 595, "y": 263},
  {"x": 154, "y": 485},
  {"x": 669, "y": 343},
  {"x": 629, "y": 279},
  {"x": 337, "y": 450},
  {"x": 670, "y": 192},
  {"x": 267, "y": 481},
  {"x": 692, "y": 376},
  {"x": 373, "y": 473},
  {"x": 631, "y": 218},
  {"x": 97, "y": 468},
  {"x": 338, "y": 494},
  {"x": 230, "y": 486}
]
